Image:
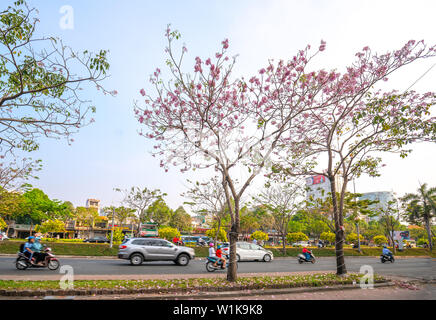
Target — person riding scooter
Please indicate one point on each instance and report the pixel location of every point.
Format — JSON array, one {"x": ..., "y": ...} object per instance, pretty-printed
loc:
[
  {"x": 37, "y": 251},
  {"x": 386, "y": 251},
  {"x": 307, "y": 253},
  {"x": 27, "y": 248},
  {"x": 219, "y": 254}
]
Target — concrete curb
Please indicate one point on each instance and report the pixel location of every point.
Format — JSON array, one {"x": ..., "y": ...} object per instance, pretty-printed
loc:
[{"x": 159, "y": 294}]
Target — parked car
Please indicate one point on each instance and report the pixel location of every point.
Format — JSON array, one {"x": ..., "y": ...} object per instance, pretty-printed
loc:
[
  {"x": 225, "y": 247},
  {"x": 3, "y": 236},
  {"x": 138, "y": 250},
  {"x": 301, "y": 244},
  {"x": 97, "y": 240}
]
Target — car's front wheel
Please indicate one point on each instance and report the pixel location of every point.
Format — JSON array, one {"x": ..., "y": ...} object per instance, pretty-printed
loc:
[
  {"x": 182, "y": 260},
  {"x": 267, "y": 258},
  {"x": 136, "y": 259}
]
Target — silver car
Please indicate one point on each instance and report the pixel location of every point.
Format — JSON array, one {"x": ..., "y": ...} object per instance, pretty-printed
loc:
[
  {"x": 138, "y": 250},
  {"x": 250, "y": 251}
]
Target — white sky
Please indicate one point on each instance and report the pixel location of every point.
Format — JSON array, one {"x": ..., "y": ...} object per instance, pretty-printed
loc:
[{"x": 110, "y": 154}]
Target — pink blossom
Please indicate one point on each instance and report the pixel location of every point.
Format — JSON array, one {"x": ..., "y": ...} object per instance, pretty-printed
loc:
[
  {"x": 322, "y": 46},
  {"x": 225, "y": 43},
  {"x": 142, "y": 91}
]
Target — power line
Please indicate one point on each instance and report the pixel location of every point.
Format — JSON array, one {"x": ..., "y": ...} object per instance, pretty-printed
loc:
[{"x": 421, "y": 77}]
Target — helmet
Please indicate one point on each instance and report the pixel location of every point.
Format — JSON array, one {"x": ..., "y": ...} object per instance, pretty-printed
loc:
[
  {"x": 31, "y": 237},
  {"x": 219, "y": 246},
  {"x": 384, "y": 246},
  {"x": 211, "y": 244}
]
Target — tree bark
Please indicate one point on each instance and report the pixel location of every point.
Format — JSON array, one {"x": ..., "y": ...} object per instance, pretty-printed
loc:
[
  {"x": 428, "y": 227},
  {"x": 233, "y": 235},
  {"x": 339, "y": 240}
]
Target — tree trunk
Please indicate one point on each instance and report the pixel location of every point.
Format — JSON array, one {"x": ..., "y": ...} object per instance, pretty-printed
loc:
[
  {"x": 428, "y": 228},
  {"x": 284, "y": 243},
  {"x": 233, "y": 235},
  {"x": 339, "y": 240}
]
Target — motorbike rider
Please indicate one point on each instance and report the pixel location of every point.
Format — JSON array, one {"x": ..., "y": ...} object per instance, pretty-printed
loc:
[
  {"x": 37, "y": 248},
  {"x": 307, "y": 253},
  {"x": 386, "y": 251},
  {"x": 27, "y": 248},
  {"x": 219, "y": 254}
]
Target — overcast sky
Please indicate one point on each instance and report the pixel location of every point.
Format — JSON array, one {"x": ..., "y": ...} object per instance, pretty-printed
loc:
[{"x": 110, "y": 153}]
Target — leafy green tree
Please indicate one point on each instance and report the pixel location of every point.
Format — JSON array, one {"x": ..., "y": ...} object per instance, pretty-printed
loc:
[
  {"x": 10, "y": 206},
  {"x": 181, "y": 220},
  {"x": 282, "y": 201},
  {"x": 296, "y": 236},
  {"x": 248, "y": 223},
  {"x": 352, "y": 237},
  {"x": 316, "y": 227},
  {"x": 379, "y": 240},
  {"x": 118, "y": 235},
  {"x": 50, "y": 227},
  {"x": 222, "y": 234},
  {"x": 36, "y": 207},
  {"x": 168, "y": 233},
  {"x": 159, "y": 212},
  {"x": 297, "y": 226},
  {"x": 86, "y": 217},
  {"x": 3, "y": 224},
  {"x": 41, "y": 81},
  {"x": 328, "y": 236},
  {"x": 389, "y": 221},
  {"x": 122, "y": 214},
  {"x": 421, "y": 209},
  {"x": 139, "y": 200},
  {"x": 259, "y": 235},
  {"x": 208, "y": 199}
]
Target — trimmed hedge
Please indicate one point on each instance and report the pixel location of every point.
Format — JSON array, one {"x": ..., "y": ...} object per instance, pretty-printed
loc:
[{"x": 102, "y": 249}]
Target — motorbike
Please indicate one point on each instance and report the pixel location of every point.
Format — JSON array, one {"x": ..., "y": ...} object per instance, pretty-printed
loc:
[
  {"x": 210, "y": 261},
  {"x": 302, "y": 258},
  {"x": 385, "y": 257},
  {"x": 50, "y": 261}
]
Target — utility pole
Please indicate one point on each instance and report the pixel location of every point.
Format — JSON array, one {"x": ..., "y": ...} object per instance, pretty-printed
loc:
[
  {"x": 357, "y": 221},
  {"x": 113, "y": 222}
]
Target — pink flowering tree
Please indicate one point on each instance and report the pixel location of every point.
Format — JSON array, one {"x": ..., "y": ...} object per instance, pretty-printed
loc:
[
  {"x": 356, "y": 122},
  {"x": 204, "y": 118}
]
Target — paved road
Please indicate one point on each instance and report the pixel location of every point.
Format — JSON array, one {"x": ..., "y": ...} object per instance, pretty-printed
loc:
[{"x": 417, "y": 268}]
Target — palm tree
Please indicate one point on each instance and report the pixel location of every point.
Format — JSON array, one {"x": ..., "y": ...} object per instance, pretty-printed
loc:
[{"x": 421, "y": 208}]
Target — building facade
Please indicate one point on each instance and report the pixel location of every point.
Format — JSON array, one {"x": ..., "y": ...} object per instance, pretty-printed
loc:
[{"x": 383, "y": 198}]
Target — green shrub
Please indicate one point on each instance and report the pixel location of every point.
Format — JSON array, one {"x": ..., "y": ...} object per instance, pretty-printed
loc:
[
  {"x": 328, "y": 236},
  {"x": 296, "y": 236},
  {"x": 379, "y": 240},
  {"x": 259, "y": 235},
  {"x": 352, "y": 237},
  {"x": 222, "y": 235},
  {"x": 168, "y": 233}
]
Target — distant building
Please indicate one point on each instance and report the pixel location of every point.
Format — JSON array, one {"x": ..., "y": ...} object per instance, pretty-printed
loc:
[
  {"x": 317, "y": 187},
  {"x": 93, "y": 203},
  {"x": 383, "y": 197}
]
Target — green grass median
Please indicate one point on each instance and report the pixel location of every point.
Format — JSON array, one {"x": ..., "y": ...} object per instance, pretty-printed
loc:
[
  {"x": 97, "y": 249},
  {"x": 174, "y": 285}
]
